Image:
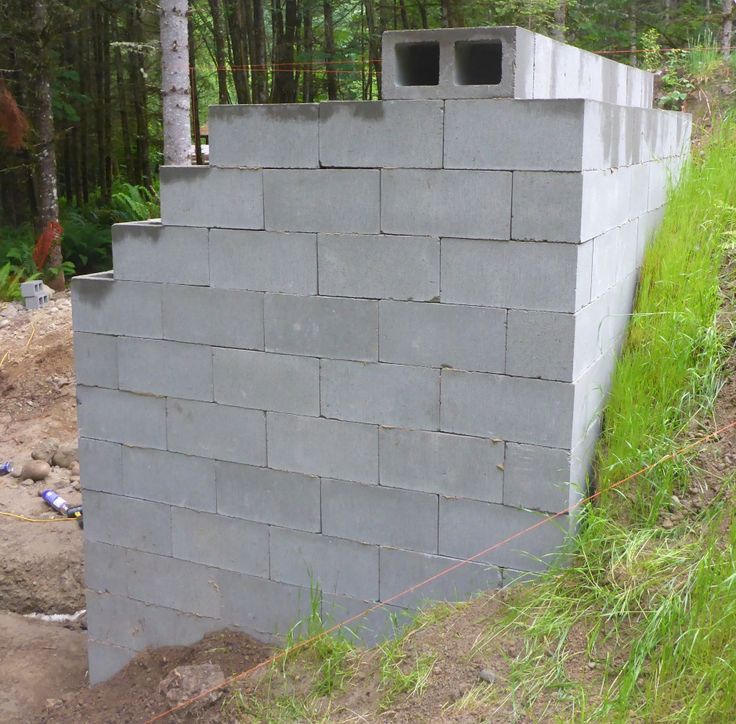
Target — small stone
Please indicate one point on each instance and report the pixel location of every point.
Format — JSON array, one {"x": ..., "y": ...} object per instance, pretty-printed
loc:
[
  {"x": 35, "y": 470},
  {"x": 487, "y": 675},
  {"x": 45, "y": 450},
  {"x": 667, "y": 524},
  {"x": 4, "y": 323},
  {"x": 74, "y": 469},
  {"x": 66, "y": 455},
  {"x": 76, "y": 485},
  {"x": 676, "y": 500},
  {"x": 27, "y": 481},
  {"x": 592, "y": 665},
  {"x": 53, "y": 703}
]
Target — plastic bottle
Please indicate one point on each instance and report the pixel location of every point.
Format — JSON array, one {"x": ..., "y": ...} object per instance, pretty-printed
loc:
[
  {"x": 6, "y": 468},
  {"x": 55, "y": 501}
]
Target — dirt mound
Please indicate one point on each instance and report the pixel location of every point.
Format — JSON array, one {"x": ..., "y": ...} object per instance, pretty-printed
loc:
[{"x": 133, "y": 695}]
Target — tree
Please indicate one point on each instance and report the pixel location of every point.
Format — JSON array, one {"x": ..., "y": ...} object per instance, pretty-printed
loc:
[
  {"x": 42, "y": 120},
  {"x": 175, "y": 82},
  {"x": 729, "y": 9}
]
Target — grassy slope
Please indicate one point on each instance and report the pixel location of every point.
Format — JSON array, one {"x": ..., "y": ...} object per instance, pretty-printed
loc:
[{"x": 654, "y": 608}]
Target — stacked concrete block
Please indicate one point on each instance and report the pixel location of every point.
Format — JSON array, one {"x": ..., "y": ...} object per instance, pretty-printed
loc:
[
  {"x": 368, "y": 341},
  {"x": 34, "y": 294}
]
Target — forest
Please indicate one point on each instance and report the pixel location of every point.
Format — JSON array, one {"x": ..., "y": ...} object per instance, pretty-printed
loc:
[{"x": 80, "y": 90}]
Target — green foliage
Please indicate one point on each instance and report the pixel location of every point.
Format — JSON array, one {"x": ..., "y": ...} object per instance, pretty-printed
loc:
[
  {"x": 675, "y": 82},
  {"x": 402, "y": 673},
  {"x": 651, "y": 50}
]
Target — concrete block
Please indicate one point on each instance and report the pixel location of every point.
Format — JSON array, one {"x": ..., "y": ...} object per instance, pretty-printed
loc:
[
  {"x": 614, "y": 257},
  {"x": 591, "y": 391},
  {"x": 222, "y": 317},
  {"x": 335, "y": 565},
  {"x": 468, "y": 528},
  {"x": 537, "y": 477},
  {"x": 217, "y": 540},
  {"x": 612, "y": 136},
  {"x": 265, "y": 381},
  {"x": 138, "y": 626},
  {"x": 216, "y": 431},
  {"x": 330, "y": 200},
  {"x": 647, "y": 227},
  {"x": 524, "y": 275},
  {"x": 660, "y": 181},
  {"x": 322, "y": 327},
  {"x": 224, "y": 198},
  {"x": 261, "y": 606},
  {"x": 542, "y": 344},
  {"x": 100, "y": 464},
  {"x": 284, "y": 135},
  {"x": 639, "y": 189},
  {"x": 512, "y": 408},
  {"x": 173, "y": 583},
  {"x": 402, "y": 569},
  {"x": 323, "y": 447},
  {"x": 32, "y": 288},
  {"x": 137, "y": 419},
  {"x": 379, "y": 267},
  {"x": 458, "y": 63},
  {"x": 570, "y": 207},
  {"x": 264, "y": 261},
  {"x": 486, "y": 134},
  {"x": 442, "y": 335},
  {"x": 562, "y": 71},
  {"x": 361, "y": 625},
  {"x": 101, "y": 304},
  {"x": 36, "y": 301},
  {"x": 380, "y": 393},
  {"x": 104, "y": 567},
  {"x": 381, "y": 134},
  {"x": 472, "y": 204},
  {"x": 96, "y": 360},
  {"x": 374, "y": 514},
  {"x": 105, "y": 660},
  {"x": 165, "y": 368},
  {"x": 147, "y": 251},
  {"x": 127, "y": 522},
  {"x": 170, "y": 478},
  {"x": 452, "y": 465},
  {"x": 269, "y": 496}
]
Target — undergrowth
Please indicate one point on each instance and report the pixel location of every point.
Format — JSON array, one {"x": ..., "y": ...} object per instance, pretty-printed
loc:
[{"x": 656, "y": 608}]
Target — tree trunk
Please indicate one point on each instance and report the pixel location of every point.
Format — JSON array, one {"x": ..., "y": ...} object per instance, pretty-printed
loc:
[
  {"x": 404, "y": 15},
  {"x": 195, "y": 97},
  {"x": 558, "y": 29},
  {"x": 123, "y": 107},
  {"x": 175, "y": 82},
  {"x": 374, "y": 46},
  {"x": 308, "y": 70},
  {"x": 236, "y": 21},
  {"x": 137, "y": 74},
  {"x": 42, "y": 119},
  {"x": 259, "y": 80},
  {"x": 330, "y": 51},
  {"x": 729, "y": 8},
  {"x": 218, "y": 31}
]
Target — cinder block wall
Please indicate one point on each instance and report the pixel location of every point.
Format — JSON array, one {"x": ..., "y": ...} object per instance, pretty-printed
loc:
[{"x": 370, "y": 339}]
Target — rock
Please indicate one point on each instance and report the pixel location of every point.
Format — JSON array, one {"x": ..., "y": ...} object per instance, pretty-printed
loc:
[
  {"x": 184, "y": 682},
  {"x": 667, "y": 524},
  {"x": 27, "y": 481},
  {"x": 35, "y": 470},
  {"x": 76, "y": 485},
  {"x": 487, "y": 675},
  {"x": 4, "y": 323},
  {"x": 592, "y": 665},
  {"x": 45, "y": 450},
  {"x": 49, "y": 291},
  {"x": 74, "y": 469},
  {"x": 66, "y": 455},
  {"x": 53, "y": 703}
]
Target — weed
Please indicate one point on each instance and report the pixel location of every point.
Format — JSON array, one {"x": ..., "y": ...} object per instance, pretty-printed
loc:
[{"x": 400, "y": 673}]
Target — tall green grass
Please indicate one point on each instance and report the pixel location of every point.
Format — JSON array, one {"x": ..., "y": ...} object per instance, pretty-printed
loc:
[{"x": 664, "y": 601}]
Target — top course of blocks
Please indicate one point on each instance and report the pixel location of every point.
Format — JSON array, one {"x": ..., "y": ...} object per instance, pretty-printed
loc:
[{"x": 503, "y": 62}]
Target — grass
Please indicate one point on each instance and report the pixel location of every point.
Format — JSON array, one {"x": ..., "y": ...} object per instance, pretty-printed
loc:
[
  {"x": 402, "y": 673},
  {"x": 655, "y": 609}
]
